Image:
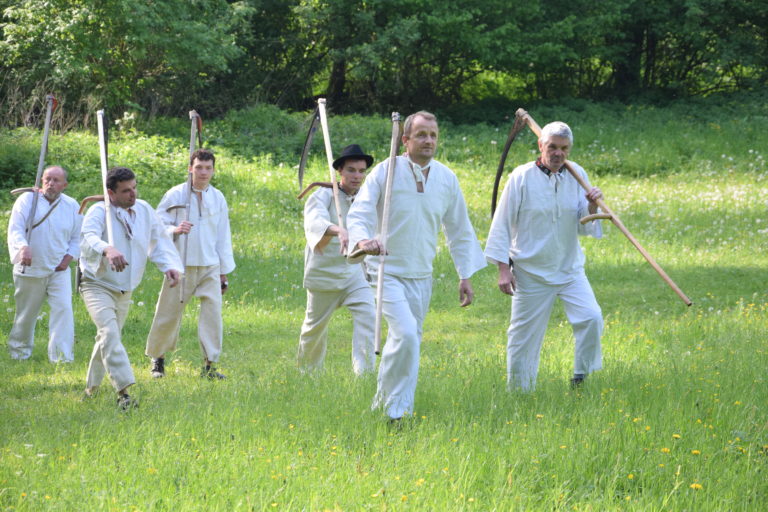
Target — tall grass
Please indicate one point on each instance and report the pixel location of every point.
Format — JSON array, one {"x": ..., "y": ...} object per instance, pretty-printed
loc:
[{"x": 676, "y": 420}]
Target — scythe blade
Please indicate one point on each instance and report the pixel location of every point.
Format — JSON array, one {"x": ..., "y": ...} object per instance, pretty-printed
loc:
[
  {"x": 517, "y": 127},
  {"x": 307, "y": 145}
]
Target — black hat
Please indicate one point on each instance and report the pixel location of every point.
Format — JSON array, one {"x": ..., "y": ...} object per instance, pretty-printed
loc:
[{"x": 355, "y": 152}]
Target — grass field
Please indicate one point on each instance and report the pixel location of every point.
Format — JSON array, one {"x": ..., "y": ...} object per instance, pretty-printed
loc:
[{"x": 676, "y": 420}]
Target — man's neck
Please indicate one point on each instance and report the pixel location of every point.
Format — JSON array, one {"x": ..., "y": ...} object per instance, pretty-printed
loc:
[{"x": 421, "y": 162}]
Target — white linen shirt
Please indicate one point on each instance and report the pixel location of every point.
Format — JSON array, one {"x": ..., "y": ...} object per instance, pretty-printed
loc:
[
  {"x": 414, "y": 221},
  {"x": 210, "y": 239},
  {"x": 56, "y": 237},
  {"x": 536, "y": 224},
  {"x": 327, "y": 270},
  {"x": 149, "y": 240}
]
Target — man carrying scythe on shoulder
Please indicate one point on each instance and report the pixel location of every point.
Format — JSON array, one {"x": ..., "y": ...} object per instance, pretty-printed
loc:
[
  {"x": 209, "y": 258},
  {"x": 41, "y": 260},
  {"x": 330, "y": 281},
  {"x": 425, "y": 197},
  {"x": 117, "y": 238},
  {"x": 536, "y": 228}
]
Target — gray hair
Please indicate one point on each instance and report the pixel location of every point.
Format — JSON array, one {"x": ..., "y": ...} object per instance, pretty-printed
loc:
[
  {"x": 409, "y": 120},
  {"x": 557, "y": 129}
]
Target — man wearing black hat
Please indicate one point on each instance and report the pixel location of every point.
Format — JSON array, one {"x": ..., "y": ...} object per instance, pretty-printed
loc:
[{"x": 330, "y": 281}]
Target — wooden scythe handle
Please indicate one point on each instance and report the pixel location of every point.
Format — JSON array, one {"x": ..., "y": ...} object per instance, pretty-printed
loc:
[
  {"x": 87, "y": 200},
  {"x": 590, "y": 218},
  {"x": 325, "y": 184},
  {"x": 384, "y": 232},
  {"x": 610, "y": 215}
]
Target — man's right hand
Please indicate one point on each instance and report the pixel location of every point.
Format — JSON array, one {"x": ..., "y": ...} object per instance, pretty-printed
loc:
[
  {"x": 369, "y": 246},
  {"x": 25, "y": 256},
  {"x": 507, "y": 283},
  {"x": 117, "y": 261},
  {"x": 183, "y": 228}
]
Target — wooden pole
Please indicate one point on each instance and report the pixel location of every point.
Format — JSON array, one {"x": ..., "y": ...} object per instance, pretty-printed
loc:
[{"x": 394, "y": 145}]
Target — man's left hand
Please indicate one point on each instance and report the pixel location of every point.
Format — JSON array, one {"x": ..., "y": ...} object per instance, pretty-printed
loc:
[
  {"x": 64, "y": 263},
  {"x": 592, "y": 196},
  {"x": 466, "y": 293},
  {"x": 173, "y": 276},
  {"x": 224, "y": 283}
]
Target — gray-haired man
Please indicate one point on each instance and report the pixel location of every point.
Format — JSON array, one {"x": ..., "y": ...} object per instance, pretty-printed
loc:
[{"x": 534, "y": 242}]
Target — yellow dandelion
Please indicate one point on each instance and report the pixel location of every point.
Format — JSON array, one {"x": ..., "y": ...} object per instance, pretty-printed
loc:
[
  {"x": 665, "y": 450},
  {"x": 563, "y": 446},
  {"x": 676, "y": 436},
  {"x": 47, "y": 497},
  {"x": 539, "y": 416},
  {"x": 696, "y": 487},
  {"x": 628, "y": 498},
  {"x": 151, "y": 471},
  {"x": 695, "y": 452},
  {"x": 630, "y": 476},
  {"x": 403, "y": 498}
]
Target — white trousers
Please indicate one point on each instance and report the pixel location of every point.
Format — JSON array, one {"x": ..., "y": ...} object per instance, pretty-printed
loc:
[
  {"x": 108, "y": 309},
  {"x": 29, "y": 295},
  {"x": 314, "y": 332},
  {"x": 531, "y": 308},
  {"x": 405, "y": 304},
  {"x": 201, "y": 282}
]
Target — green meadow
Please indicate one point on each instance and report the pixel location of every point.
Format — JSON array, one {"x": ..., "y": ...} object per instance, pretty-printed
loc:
[{"x": 676, "y": 420}]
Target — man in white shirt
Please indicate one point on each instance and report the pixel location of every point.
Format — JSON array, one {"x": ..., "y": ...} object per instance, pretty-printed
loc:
[
  {"x": 112, "y": 272},
  {"x": 534, "y": 242},
  {"x": 41, "y": 266},
  {"x": 209, "y": 259},
  {"x": 425, "y": 196},
  {"x": 330, "y": 281}
]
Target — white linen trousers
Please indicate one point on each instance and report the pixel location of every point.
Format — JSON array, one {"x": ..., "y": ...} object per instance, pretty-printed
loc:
[
  {"x": 321, "y": 304},
  {"x": 30, "y": 294},
  {"x": 405, "y": 305},
  {"x": 531, "y": 308}
]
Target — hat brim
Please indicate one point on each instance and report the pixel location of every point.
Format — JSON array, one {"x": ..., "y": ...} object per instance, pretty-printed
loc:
[{"x": 361, "y": 156}]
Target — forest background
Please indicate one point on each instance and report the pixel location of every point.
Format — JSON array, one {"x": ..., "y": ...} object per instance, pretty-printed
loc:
[{"x": 465, "y": 59}]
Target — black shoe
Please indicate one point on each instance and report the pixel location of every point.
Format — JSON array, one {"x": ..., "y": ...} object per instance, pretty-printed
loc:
[
  {"x": 577, "y": 381},
  {"x": 158, "y": 368},
  {"x": 125, "y": 402},
  {"x": 210, "y": 373}
]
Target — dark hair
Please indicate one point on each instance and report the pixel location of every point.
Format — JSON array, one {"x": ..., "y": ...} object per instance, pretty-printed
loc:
[
  {"x": 118, "y": 174},
  {"x": 202, "y": 155}
]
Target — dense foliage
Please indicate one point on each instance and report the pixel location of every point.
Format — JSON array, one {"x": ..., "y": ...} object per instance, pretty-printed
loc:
[{"x": 368, "y": 55}]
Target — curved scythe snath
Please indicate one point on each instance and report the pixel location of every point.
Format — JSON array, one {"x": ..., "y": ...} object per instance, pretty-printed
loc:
[
  {"x": 308, "y": 144},
  {"x": 517, "y": 127}
]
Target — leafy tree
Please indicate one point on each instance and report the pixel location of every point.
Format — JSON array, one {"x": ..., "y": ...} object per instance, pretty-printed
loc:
[{"x": 118, "y": 51}]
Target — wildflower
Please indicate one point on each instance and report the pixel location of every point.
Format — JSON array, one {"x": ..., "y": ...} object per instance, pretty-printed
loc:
[
  {"x": 630, "y": 476},
  {"x": 695, "y": 452},
  {"x": 665, "y": 450},
  {"x": 676, "y": 436},
  {"x": 696, "y": 487}
]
